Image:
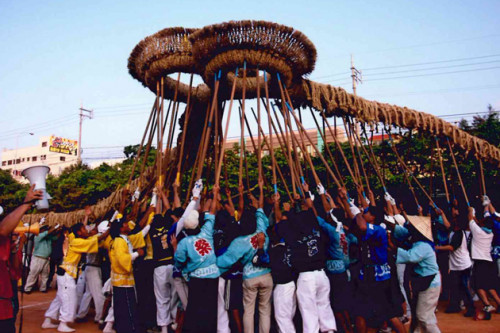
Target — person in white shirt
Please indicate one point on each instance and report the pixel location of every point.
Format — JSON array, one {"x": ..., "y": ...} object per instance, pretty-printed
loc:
[
  {"x": 460, "y": 265},
  {"x": 484, "y": 271}
]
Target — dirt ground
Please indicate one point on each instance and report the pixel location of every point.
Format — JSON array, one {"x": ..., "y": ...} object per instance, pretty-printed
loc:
[{"x": 36, "y": 303}]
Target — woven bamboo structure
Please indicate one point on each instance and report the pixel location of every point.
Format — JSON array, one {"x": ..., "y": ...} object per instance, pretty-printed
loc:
[{"x": 216, "y": 51}]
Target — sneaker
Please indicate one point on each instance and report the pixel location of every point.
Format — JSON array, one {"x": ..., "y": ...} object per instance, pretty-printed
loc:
[
  {"x": 404, "y": 319},
  {"x": 488, "y": 308},
  {"x": 47, "y": 323}
]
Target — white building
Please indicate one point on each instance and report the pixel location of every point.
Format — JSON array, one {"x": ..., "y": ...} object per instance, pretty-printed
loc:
[{"x": 55, "y": 152}]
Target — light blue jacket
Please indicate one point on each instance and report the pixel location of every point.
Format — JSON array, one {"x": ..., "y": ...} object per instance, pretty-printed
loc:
[
  {"x": 338, "y": 247},
  {"x": 43, "y": 244},
  {"x": 244, "y": 248},
  {"x": 424, "y": 256},
  {"x": 195, "y": 254}
]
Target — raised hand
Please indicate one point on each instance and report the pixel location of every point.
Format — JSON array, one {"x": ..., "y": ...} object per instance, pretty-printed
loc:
[{"x": 32, "y": 195}]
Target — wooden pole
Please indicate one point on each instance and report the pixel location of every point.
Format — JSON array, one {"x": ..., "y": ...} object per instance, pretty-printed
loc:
[
  {"x": 242, "y": 127},
  {"x": 271, "y": 148},
  {"x": 224, "y": 138},
  {"x": 458, "y": 172},
  {"x": 209, "y": 127},
  {"x": 259, "y": 139},
  {"x": 442, "y": 171},
  {"x": 139, "y": 151},
  {"x": 327, "y": 148},
  {"x": 186, "y": 120}
]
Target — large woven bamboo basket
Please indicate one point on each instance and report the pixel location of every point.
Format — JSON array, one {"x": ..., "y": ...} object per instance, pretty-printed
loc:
[
  {"x": 261, "y": 45},
  {"x": 165, "y": 52}
]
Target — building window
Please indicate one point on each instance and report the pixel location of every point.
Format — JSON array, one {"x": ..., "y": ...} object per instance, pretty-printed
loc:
[
  {"x": 22, "y": 160},
  {"x": 4, "y": 163},
  {"x": 9, "y": 162},
  {"x": 34, "y": 158},
  {"x": 43, "y": 157},
  {"x": 18, "y": 161},
  {"x": 44, "y": 144},
  {"x": 62, "y": 158},
  {"x": 27, "y": 159}
]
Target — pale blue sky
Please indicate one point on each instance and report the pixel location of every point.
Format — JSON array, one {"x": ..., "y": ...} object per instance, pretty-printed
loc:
[{"x": 58, "y": 54}]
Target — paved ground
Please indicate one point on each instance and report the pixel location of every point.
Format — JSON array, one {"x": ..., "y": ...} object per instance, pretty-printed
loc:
[{"x": 36, "y": 303}]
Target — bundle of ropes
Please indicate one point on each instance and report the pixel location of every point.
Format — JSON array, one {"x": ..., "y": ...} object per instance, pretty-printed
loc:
[{"x": 266, "y": 62}]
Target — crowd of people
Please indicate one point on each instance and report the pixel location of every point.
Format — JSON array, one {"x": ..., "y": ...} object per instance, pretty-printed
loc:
[{"x": 214, "y": 266}]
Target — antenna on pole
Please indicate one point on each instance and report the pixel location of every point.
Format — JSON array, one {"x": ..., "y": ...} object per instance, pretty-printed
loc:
[{"x": 84, "y": 113}]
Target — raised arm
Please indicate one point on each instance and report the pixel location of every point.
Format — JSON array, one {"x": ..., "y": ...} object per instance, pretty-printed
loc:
[
  {"x": 198, "y": 187},
  {"x": 10, "y": 221},
  {"x": 324, "y": 201},
  {"x": 231, "y": 209},
  {"x": 177, "y": 200},
  {"x": 309, "y": 201},
  {"x": 440, "y": 212},
  {"x": 278, "y": 216}
]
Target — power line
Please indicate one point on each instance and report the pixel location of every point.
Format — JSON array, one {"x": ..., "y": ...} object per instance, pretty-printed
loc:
[
  {"x": 432, "y": 62},
  {"x": 433, "y": 74},
  {"x": 424, "y": 92},
  {"x": 409, "y": 65},
  {"x": 433, "y": 68}
]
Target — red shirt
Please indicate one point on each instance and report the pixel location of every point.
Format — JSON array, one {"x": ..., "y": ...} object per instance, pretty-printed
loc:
[{"x": 6, "y": 294}]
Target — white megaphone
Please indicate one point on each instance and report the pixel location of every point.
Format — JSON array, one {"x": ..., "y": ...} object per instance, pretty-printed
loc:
[{"x": 36, "y": 175}]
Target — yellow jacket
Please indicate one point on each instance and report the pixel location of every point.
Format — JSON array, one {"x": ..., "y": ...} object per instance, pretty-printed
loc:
[
  {"x": 77, "y": 246},
  {"x": 121, "y": 259}
]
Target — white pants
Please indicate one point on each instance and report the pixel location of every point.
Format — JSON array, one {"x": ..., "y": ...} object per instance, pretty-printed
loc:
[
  {"x": 80, "y": 287},
  {"x": 39, "y": 266},
  {"x": 163, "y": 285},
  {"x": 401, "y": 279},
  {"x": 285, "y": 305},
  {"x": 181, "y": 288},
  {"x": 63, "y": 307},
  {"x": 313, "y": 295},
  {"x": 426, "y": 315},
  {"x": 93, "y": 290},
  {"x": 222, "y": 315}
]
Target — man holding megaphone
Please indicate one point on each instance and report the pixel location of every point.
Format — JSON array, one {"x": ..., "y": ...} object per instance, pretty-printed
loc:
[{"x": 7, "y": 225}]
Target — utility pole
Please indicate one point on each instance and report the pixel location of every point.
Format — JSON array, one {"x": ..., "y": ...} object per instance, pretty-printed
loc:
[
  {"x": 84, "y": 113},
  {"x": 356, "y": 75}
]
